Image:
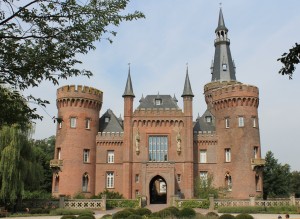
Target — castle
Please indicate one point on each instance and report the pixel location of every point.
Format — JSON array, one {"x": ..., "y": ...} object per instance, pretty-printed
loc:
[{"x": 158, "y": 150}]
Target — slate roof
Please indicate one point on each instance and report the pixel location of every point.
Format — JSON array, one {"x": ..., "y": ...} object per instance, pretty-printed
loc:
[
  {"x": 187, "y": 90},
  {"x": 114, "y": 124},
  {"x": 128, "y": 88},
  {"x": 201, "y": 123},
  {"x": 166, "y": 101}
]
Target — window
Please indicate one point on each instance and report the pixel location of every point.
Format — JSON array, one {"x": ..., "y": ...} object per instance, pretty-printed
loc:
[
  {"x": 137, "y": 193},
  {"x": 255, "y": 152},
  {"x": 137, "y": 178},
  {"x": 106, "y": 120},
  {"x": 87, "y": 123},
  {"x": 85, "y": 182},
  {"x": 228, "y": 181},
  {"x": 224, "y": 66},
  {"x": 227, "y": 155},
  {"x": 158, "y": 102},
  {"x": 254, "y": 122},
  {"x": 203, "y": 156},
  {"x": 58, "y": 153},
  {"x": 110, "y": 180},
  {"x": 86, "y": 156},
  {"x": 158, "y": 148},
  {"x": 203, "y": 178},
  {"x": 258, "y": 182},
  {"x": 60, "y": 125},
  {"x": 110, "y": 156},
  {"x": 56, "y": 183},
  {"x": 208, "y": 118},
  {"x": 179, "y": 178},
  {"x": 227, "y": 123},
  {"x": 73, "y": 122},
  {"x": 241, "y": 121}
]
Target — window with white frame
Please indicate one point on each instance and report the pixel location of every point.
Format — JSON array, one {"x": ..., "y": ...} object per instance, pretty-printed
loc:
[
  {"x": 86, "y": 155},
  {"x": 60, "y": 125},
  {"x": 241, "y": 121},
  {"x": 254, "y": 122},
  {"x": 73, "y": 122},
  {"x": 227, "y": 123},
  {"x": 158, "y": 102},
  {"x": 203, "y": 178},
  {"x": 110, "y": 156},
  {"x": 87, "y": 123},
  {"x": 255, "y": 152},
  {"x": 228, "y": 181},
  {"x": 85, "y": 182},
  {"x": 208, "y": 119},
  {"x": 158, "y": 148},
  {"x": 203, "y": 156},
  {"x": 227, "y": 155},
  {"x": 106, "y": 120},
  {"x": 110, "y": 180}
]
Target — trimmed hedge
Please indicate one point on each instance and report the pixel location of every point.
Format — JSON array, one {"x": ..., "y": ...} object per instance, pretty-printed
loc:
[
  {"x": 226, "y": 216},
  {"x": 121, "y": 203},
  {"x": 68, "y": 217},
  {"x": 204, "y": 204},
  {"x": 244, "y": 216},
  {"x": 142, "y": 211},
  {"x": 66, "y": 211},
  {"x": 259, "y": 209},
  {"x": 187, "y": 213},
  {"x": 121, "y": 214}
]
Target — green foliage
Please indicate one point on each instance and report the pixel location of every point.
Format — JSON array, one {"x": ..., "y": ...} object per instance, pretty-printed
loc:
[
  {"x": 143, "y": 211},
  {"x": 187, "y": 213},
  {"x": 68, "y": 217},
  {"x": 66, "y": 211},
  {"x": 204, "y": 204},
  {"x": 258, "y": 209},
  {"x": 121, "y": 214},
  {"x": 175, "y": 211},
  {"x": 86, "y": 217},
  {"x": 203, "y": 188},
  {"x": 106, "y": 216},
  {"x": 289, "y": 60},
  {"x": 226, "y": 216},
  {"x": 121, "y": 203},
  {"x": 109, "y": 195},
  {"x": 39, "y": 211},
  {"x": 38, "y": 194},
  {"x": 87, "y": 214},
  {"x": 79, "y": 195},
  {"x": 276, "y": 178},
  {"x": 212, "y": 214},
  {"x": 19, "y": 167},
  {"x": 295, "y": 183},
  {"x": 41, "y": 40},
  {"x": 135, "y": 216},
  {"x": 244, "y": 216}
]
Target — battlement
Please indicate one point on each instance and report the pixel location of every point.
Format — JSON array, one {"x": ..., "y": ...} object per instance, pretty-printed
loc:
[
  {"x": 110, "y": 135},
  {"x": 158, "y": 111},
  {"x": 71, "y": 90}
]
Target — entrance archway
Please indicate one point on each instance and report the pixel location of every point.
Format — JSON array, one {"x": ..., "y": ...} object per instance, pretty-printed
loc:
[{"x": 158, "y": 190}]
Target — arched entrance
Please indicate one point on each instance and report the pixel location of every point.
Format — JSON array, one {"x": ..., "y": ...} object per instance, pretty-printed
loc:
[{"x": 158, "y": 190}]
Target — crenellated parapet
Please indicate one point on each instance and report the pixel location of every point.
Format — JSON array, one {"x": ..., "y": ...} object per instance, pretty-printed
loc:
[
  {"x": 231, "y": 94},
  {"x": 158, "y": 122},
  {"x": 109, "y": 138},
  {"x": 205, "y": 138},
  {"x": 158, "y": 112},
  {"x": 79, "y": 96}
]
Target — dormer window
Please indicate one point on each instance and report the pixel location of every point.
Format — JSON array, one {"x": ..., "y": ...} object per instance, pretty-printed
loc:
[
  {"x": 158, "y": 102},
  {"x": 224, "y": 66},
  {"x": 106, "y": 119},
  {"x": 208, "y": 118}
]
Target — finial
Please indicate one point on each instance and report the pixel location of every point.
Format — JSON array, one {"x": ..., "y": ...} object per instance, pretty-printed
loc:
[
  {"x": 129, "y": 67},
  {"x": 220, "y": 5}
]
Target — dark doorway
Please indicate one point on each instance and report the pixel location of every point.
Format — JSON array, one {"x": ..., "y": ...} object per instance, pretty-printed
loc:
[{"x": 158, "y": 190}]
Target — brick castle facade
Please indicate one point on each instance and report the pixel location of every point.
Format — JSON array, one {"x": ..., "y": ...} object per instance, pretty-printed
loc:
[{"x": 157, "y": 150}]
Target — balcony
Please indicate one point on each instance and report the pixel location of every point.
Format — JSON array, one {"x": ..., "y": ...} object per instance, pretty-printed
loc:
[
  {"x": 257, "y": 162},
  {"x": 56, "y": 164}
]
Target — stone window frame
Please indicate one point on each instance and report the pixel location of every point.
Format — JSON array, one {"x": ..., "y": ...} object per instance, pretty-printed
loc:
[
  {"x": 110, "y": 156},
  {"x": 228, "y": 157},
  {"x": 110, "y": 180},
  {"x": 158, "y": 154},
  {"x": 73, "y": 122},
  {"x": 241, "y": 121},
  {"x": 203, "y": 156}
]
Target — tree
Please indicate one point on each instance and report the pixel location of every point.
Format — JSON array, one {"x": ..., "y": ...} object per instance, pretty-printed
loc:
[
  {"x": 289, "y": 60},
  {"x": 40, "y": 40},
  {"x": 18, "y": 164},
  {"x": 204, "y": 187},
  {"x": 295, "y": 183},
  {"x": 276, "y": 178}
]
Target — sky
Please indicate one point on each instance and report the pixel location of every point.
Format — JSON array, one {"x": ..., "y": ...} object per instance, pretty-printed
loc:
[{"x": 177, "y": 32}]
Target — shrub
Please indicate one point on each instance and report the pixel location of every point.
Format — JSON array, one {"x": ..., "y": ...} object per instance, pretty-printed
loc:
[
  {"x": 68, "y": 217},
  {"x": 106, "y": 216},
  {"x": 109, "y": 195},
  {"x": 175, "y": 211},
  {"x": 39, "y": 211},
  {"x": 226, "y": 216},
  {"x": 121, "y": 203},
  {"x": 164, "y": 213},
  {"x": 86, "y": 217},
  {"x": 142, "y": 211},
  {"x": 244, "y": 216},
  {"x": 135, "y": 216},
  {"x": 187, "y": 212},
  {"x": 212, "y": 214},
  {"x": 88, "y": 214},
  {"x": 66, "y": 211},
  {"x": 121, "y": 214}
]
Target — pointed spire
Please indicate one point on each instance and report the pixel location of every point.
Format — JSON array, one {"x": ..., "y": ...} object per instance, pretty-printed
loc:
[
  {"x": 128, "y": 89},
  {"x": 187, "y": 90},
  {"x": 142, "y": 98},
  {"x": 221, "y": 23}
]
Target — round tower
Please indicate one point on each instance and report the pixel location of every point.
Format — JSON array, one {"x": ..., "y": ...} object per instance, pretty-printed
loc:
[
  {"x": 75, "y": 147},
  {"x": 234, "y": 106}
]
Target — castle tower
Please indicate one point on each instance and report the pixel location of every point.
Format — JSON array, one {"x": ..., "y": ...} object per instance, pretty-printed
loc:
[
  {"x": 75, "y": 149},
  {"x": 234, "y": 106},
  {"x": 127, "y": 150},
  {"x": 187, "y": 96}
]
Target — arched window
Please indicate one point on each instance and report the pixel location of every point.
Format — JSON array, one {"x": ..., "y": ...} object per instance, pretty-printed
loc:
[
  {"x": 85, "y": 182},
  {"x": 56, "y": 183}
]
